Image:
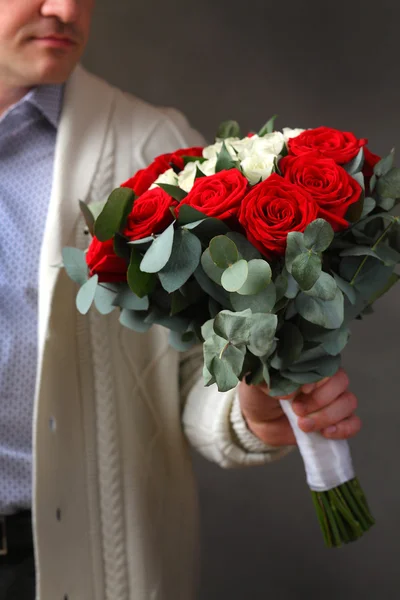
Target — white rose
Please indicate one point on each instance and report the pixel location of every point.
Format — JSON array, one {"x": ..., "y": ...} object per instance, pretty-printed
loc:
[
  {"x": 213, "y": 150},
  {"x": 289, "y": 133},
  {"x": 258, "y": 167},
  {"x": 271, "y": 143},
  {"x": 168, "y": 177},
  {"x": 187, "y": 177}
]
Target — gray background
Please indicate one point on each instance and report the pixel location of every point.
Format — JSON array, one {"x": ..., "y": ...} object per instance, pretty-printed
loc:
[{"x": 314, "y": 63}]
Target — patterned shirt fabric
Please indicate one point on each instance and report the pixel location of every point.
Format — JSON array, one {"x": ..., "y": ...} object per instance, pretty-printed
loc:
[{"x": 28, "y": 133}]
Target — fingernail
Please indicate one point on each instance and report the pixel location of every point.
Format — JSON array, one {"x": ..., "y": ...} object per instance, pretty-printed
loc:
[
  {"x": 308, "y": 388},
  {"x": 306, "y": 424},
  {"x": 331, "y": 429}
]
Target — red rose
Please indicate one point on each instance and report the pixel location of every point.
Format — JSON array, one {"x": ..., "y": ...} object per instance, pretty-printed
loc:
[
  {"x": 341, "y": 146},
  {"x": 370, "y": 161},
  {"x": 176, "y": 159},
  {"x": 102, "y": 261},
  {"x": 272, "y": 209},
  {"x": 150, "y": 214},
  {"x": 218, "y": 195},
  {"x": 333, "y": 189},
  {"x": 144, "y": 178}
]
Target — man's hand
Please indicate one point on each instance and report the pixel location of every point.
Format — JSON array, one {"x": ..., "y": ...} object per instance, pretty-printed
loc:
[{"x": 326, "y": 406}]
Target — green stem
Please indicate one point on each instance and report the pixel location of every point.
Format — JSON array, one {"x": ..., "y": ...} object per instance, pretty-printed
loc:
[{"x": 374, "y": 247}]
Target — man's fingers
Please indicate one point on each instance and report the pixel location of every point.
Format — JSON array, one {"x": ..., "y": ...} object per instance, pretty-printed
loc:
[
  {"x": 340, "y": 409},
  {"x": 344, "y": 430},
  {"x": 274, "y": 433},
  {"x": 256, "y": 405},
  {"x": 322, "y": 396}
]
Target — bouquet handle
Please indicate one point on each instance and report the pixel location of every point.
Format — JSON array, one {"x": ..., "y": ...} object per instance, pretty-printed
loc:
[{"x": 339, "y": 500}]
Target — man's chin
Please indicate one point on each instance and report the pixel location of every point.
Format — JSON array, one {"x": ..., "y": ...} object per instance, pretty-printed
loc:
[{"x": 53, "y": 71}]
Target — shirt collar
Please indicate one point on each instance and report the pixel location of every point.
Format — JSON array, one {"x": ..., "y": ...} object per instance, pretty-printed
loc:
[{"x": 48, "y": 100}]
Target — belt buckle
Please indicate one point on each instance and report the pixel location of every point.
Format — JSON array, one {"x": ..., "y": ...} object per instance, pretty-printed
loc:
[{"x": 3, "y": 537}]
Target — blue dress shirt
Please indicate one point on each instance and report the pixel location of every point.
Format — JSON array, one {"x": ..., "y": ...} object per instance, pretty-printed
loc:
[{"x": 28, "y": 133}]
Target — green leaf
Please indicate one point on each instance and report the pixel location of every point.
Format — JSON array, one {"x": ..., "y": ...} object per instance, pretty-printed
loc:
[
  {"x": 134, "y": 320},
  {"x": 140, "y": 283},
  {"x": 234, "y": 357},
  {"x": 295, "y": 247},
  {"x": 369, "y": 205},
  {"x": 223, "y": 251},
  {"x": 245, "y": 248},
  {"x": 359, "y": 177},
  {"x": 176, "y": 323},
  {"x": 173, "y": 190},
  {"x": 268, "y": 127},
  {"x": 182, "y": 342},
  {"x": 159, "y": 252},
  {"x": 281, "y": 284},
  {"x": 121, "y": 247},
  {"x": 302, "y": 378},
  {"x": 234, "y": 277},
  {"x": 113, "y": 216},
  {"x": 387, "y": 255},
  {"x": 208, "y": 228},
  {"x": 85, "y": 297},
  {"x": 228, "y": 129},
  {"x": 188, "y": 214},
  {"x": 335, "y": 342},
  {"x": 233, "y": 326},
  {"x": 356, "y": 209},
  {"x": 210, "y": 268},
  {"x": 262, "y": 333},
  {"x": 326, "y": 366},
  {"x": 318, "y": 235},
  {"x": 88, "y": 216},
  {"x": 262, "y": 302},
  {"x": 324, "y": 288},
  {"x": 346, "y": 288},
  {"x": 224, "y": 376},
  {"x": 384, "y": 165},
  {"x": 125, "y": 298},
  {"x": 178, "y": 303},
  {"x": 280, "y": 386},
  {"x": 104, "y": 298},
  {"x": 224, "y": 160},
  {"x": 210, "y": 288},
  {"x": 292, "y": 288},
  {"x": 326, "y": 313},
  {"x": 290, "y": 344},
  {"x": 207, "y": 329},
  {"x": 184, "y": 260},
  {"x": 388, "y": 186},
  {"x": 258, "y": 278},
  {"x": 212, "y": 347},
  {"x": 355, "y": 165},
  {"x": 74, "y": 262},
  {"x": 373, "y": 182},
  {"x": 306, "y": 269},
  {"x": 143, "y": 242},
  {"x": 386, "y": 203}
]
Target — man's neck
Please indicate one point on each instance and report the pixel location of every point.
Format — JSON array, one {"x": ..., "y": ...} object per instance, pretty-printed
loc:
[{"x": 9, "y": 96}]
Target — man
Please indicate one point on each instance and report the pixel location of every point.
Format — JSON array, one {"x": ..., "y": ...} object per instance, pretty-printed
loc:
[{"x": 113, "y": 498}]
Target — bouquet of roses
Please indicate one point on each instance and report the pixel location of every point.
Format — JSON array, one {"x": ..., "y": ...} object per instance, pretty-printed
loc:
[{"x": 263, "y": 248}]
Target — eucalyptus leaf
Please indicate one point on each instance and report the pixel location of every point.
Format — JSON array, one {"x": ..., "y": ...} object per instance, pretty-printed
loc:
[
  {"x": 224, "y": 376},
  {"x": 306, "y": 269},
  {"x": 262, "y": 302},
  {"x": 104, "y": 298},
  {"x": 324, "y": 288},
  {"x": 388, "y": 186},
  {"x": 369, "y": 205},
  {"x": 233, "y": 326},
  {"x": 295, "y": 247},
  {"x": 113, "y": 216},
  {"x": 86, "y": 294},
  {"x": 327, "y": 313},
  {"x": 346, "y": 288},
  {"x": 121, "y": 247},
  {"x": 188, "y": 214},
  {"x": 290, "y": 344},
  {"x": 359, "y": 177},
  {"x": 210, "y": 268},
  {"x": 178, "y": 303},
  {"x": 318, "y": 235},
  {"x": 88, "y": 216},
  {"x": 292, "y": 288},
  {"x": 386, "y": 203},
  {"x": 212, "y": 347},
  {"x": 259, "y": 276},
  {"x": 245, "y": 248},
  {"x": 262, "y": 333},
  {"x": 74, "y": 262},
  {"x": 223, "y": 251},
  {"x": 392, "y": 280},
  {"x": 355, "y": 165},
  {"x": 302, "y": 378},
  {"x": 326, "y": 366},
  {"x": 184, "y": 260},
  {"x": 235, "y": 276},
  {"x": 181, "y": 343},
  {"x": 281, "y": 285},
  {"x": 159, "y": 252},
  {"x": 125, "y": 298},
  {"x": 207, "y": 329},
  {"x": 335, "y": 342},
  {"x": 384, "y": 165},
  {"x": 134, "y": 320},
  {"x": 281, "y": 387},
  {"x": 212, "y": 289}
]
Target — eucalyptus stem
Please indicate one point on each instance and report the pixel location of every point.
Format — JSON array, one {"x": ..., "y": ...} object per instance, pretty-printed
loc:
[{"x": 374, "y": 247}]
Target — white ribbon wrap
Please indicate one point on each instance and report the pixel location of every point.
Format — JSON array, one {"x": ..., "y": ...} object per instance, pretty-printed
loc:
[{"x": 328, "y": 463}]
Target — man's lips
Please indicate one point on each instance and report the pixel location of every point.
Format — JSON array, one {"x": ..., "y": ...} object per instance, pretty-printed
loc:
[{"x": 55, "y": 41}]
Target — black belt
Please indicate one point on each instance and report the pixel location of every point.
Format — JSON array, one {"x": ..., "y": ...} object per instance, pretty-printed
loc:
[{"x": 16, "y": 536}]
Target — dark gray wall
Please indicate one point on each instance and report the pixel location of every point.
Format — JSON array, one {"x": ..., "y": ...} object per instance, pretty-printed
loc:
[{"x": 313, "y": 63}]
